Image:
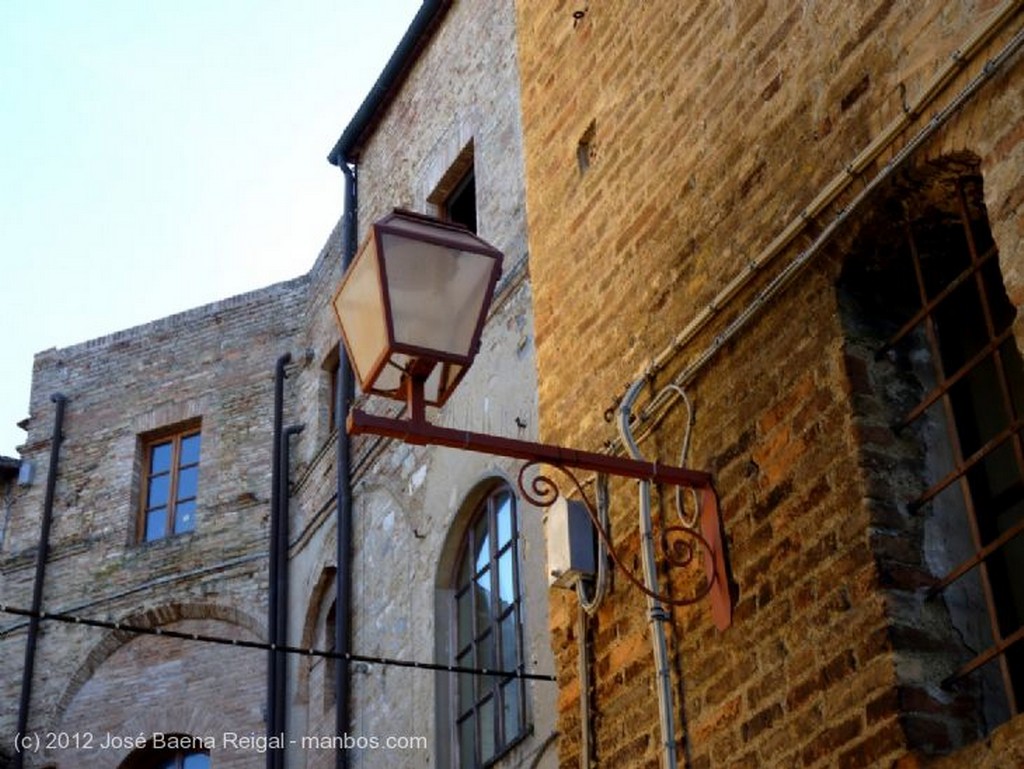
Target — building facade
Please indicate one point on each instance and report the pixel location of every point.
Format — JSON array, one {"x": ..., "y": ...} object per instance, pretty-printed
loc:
[
  {"x": 807, "y": 219},
  {"x": 164, "y": 494}
]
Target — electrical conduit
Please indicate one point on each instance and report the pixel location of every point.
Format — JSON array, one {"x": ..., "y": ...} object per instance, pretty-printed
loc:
[{"x": 656, "y": 612}]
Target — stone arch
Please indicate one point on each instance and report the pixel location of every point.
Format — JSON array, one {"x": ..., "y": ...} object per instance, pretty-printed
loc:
[
  {"x": 151, "y": 618},
  {"x": 320, "y": 598},
  {"x": 460, "y": 522}
]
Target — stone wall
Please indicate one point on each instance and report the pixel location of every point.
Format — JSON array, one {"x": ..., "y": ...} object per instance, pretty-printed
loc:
[{"x": 459, "y": 100}]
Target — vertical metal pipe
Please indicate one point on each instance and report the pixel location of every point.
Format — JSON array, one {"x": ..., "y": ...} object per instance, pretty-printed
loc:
[
  {"x": 273, "y": 755},
  {"x": 281, "y": 588},
  {"x": 343, "y": 552},
  {"x": 656, "y": 613},
  {"x": 37, "y": 588}
]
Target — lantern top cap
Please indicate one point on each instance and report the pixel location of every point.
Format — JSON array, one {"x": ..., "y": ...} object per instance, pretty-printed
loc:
[{"x": 429, "y": 229}]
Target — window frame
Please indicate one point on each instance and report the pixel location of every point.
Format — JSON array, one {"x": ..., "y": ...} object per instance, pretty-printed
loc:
[
  {"x": 488, "y": 692},
  {"x": 977, "y": 280},
  {"x": 174, "y": 436},
  {"x": 933, "y": 367},
  {"x": 461, "y": 173}
]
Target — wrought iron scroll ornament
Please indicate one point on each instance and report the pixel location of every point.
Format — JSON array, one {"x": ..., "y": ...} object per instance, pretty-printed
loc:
[{"x": 542, "y": 491}]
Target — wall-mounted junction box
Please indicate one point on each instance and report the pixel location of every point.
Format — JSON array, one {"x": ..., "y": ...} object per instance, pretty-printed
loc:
[{"x": 572, "y": 543}]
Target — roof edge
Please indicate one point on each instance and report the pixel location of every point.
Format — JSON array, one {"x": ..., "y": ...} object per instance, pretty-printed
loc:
[{"x": 415, "y": 39}]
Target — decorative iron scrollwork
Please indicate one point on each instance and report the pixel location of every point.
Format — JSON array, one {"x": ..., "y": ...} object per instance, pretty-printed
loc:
[{"x": 679, "y": 543}]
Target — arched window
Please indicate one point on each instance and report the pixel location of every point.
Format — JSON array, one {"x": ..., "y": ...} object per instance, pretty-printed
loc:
[{"x": 489, "y": 712}]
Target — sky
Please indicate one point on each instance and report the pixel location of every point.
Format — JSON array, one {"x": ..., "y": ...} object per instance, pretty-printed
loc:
[{"x": 164, "y": 154}]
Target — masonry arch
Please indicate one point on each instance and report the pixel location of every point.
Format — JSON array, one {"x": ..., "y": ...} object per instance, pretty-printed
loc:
[{"x": 133, "y": 687}]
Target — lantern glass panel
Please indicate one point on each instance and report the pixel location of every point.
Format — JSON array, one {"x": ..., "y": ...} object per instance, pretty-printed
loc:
[
  {"x": 360, "y": 310},
  {"x": 436, "y": 293}
]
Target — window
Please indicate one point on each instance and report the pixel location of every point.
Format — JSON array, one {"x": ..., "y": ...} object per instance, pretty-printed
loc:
[
  {"x": 166, "y": 758},
  {"x": 330, "y": 664},
  {"x": 947, "y": 365},
  {"x": 455, "y": 194},
  {"x": 486, "y": 631},
  {"x": 170, "y": 484},
  {"x": 460, "y": 206}
]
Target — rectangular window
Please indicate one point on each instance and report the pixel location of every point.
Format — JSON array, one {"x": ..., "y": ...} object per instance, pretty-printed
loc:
[
  {"x": 455, "y": 194},
  {"x": 170, "y": 484},
  {"x": 930, "y": 326}
]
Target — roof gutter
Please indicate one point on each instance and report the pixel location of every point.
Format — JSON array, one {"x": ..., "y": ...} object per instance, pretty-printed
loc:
[{"x": 390, "y": 81}]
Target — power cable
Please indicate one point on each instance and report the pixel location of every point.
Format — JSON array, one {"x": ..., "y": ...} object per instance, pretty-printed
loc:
[{"x": 127, "y": 627}]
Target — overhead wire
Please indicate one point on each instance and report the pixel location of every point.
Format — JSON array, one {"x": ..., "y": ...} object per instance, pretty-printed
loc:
[{"x": 128, "y": 627}]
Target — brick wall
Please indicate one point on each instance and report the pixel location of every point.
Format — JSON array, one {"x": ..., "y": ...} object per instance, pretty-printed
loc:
[
  {"x": 215, "y": 363},
  {"x": 670, "y": 147}
]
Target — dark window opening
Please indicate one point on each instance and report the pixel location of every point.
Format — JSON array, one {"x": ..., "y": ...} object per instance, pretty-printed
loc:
[
  {"x": 930, "y": 292},
  {"x": 460, "y": 206},
  {"x": 168, "y": 758}
]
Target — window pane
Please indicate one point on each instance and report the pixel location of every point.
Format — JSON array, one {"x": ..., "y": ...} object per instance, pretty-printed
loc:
[
  {"x": 466, "y": 697},
  {"x": 510, "y": 709},
  {"x": 465, "y": 573},
  {"x": 156, "y": 523},
  {"x": 159, "y": 487},
  {"x": 506, "y": 581},
  {"x": 487, "y": 730},
  {"x": 464, "y": 610},
  {"x": 509, "y": 641},
  {"x": 160, "y": 458},
  {"x": 482, "y": 591},
  {"x": 504, "y": 519},
  {"x": 467, "y": 742},
  {"x": 188, "y": 483},
  {"x": 189, "y": 450},
  {"x": 485, "y": 657},
  {"x": 185, "y": 517},
  {"x": 481, "y": 536}
]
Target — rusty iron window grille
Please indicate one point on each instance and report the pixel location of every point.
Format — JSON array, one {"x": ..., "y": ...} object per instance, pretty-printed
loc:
[
  {"x": 975, "y": 391},
  {"x": 490, "y": 711}
]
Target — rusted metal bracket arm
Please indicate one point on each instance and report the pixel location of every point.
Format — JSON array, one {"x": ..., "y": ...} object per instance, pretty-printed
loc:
[
  {"x": 423, "y": 433},
  {"x": 416, "y": 430}
]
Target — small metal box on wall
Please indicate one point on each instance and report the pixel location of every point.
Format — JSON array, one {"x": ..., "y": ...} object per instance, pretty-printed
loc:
[{"x": 572, "y": 543}]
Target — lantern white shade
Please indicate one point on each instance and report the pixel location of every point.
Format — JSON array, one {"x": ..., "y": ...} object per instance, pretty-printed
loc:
[{"x": 414, "y": 300}]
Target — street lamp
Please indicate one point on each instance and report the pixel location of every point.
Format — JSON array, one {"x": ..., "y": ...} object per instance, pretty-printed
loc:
[
  {"x": 413, "y": 303},
  {"x": 411, "y": 308}
]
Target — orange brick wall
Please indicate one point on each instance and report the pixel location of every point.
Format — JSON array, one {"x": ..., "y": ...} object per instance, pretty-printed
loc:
[{"x": 708, "y": 129}]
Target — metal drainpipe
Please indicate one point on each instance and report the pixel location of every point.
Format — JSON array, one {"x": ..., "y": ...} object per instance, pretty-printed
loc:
[
  {"x": 281, "y": 587},
  {"x": 343, "y": 551},
  {"x": 656, "y": 612},
  {"x": 37, "y": 588},
  {"x": 275, "y": 508}
]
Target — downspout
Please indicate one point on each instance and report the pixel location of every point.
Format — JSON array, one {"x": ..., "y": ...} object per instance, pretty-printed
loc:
[
  {"x": 273, "y": 754},
  {"x": 37, "y": 587},
  {"x": 343, "y": 552},
  {"x": 657, "y": 615},
  {"x": 281, "y": 587}
]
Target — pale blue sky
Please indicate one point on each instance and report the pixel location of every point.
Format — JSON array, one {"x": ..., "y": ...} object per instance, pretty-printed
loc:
[{"x": 156, "y": 155}]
